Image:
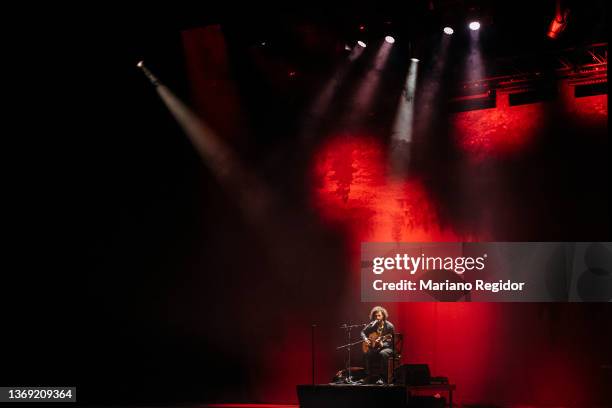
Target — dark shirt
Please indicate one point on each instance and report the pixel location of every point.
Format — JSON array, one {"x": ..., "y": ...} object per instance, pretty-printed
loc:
[{"x": 373, "y": 326}]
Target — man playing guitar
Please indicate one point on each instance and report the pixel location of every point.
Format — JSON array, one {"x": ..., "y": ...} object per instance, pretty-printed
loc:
[{"x": 377, "y": 337}]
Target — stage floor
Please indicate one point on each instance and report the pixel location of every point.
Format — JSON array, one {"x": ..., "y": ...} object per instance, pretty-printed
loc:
[{"x": 246, "y": 406}]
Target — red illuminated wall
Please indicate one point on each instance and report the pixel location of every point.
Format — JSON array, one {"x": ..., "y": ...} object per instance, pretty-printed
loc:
[
  {"x": 589, "y": 111},
  {"x": 353, "y": 186},
  {"x": 510, "y": 130},
  {"x": 499, "y": 131}
]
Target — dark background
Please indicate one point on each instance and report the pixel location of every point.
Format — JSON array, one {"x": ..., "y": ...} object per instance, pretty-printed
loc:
[{"x": 135, "y": 271}]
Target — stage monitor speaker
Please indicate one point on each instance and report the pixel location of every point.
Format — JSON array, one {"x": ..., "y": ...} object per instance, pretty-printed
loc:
[
  {"x": 413, "y": 374},
  {"x": 351, "y": 396}
]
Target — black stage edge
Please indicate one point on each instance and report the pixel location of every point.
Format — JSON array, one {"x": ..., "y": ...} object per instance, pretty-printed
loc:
[{"x": 352, "y": 396}]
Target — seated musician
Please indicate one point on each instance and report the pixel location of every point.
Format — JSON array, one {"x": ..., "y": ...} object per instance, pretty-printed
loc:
[{"x": 377, "y": 337}]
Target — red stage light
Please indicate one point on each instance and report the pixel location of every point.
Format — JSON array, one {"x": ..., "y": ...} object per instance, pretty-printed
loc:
[{"x": 558, "y": 25}]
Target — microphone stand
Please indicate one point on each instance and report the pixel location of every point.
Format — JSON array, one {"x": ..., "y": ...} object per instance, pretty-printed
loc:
[
  {"x": 313, "y": 352},
  {"x": 348, "y": 345},
  {"x": 391, "y": 375}
]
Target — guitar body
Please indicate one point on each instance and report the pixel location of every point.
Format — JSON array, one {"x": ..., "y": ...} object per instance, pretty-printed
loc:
[{"x": 376, "y": 340}]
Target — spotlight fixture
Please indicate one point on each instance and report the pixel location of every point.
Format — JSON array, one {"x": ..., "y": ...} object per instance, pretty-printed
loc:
[
  {"x": 361, "y": 44},
  {"x": 148, "y": 73},
  {"x": 389, "y": 39},
  {"x": 414, "y": 59},
  {"x": 474, "y": 25},
  {"x": 448, "y": 30},
  {"x": 559, "y": 22}
]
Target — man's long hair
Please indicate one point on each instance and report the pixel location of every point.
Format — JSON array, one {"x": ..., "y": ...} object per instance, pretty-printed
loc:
[{"x": 377, "y": 309}]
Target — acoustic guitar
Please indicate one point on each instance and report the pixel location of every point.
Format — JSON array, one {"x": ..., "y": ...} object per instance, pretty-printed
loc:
[{"x": 376, "y": 341}]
